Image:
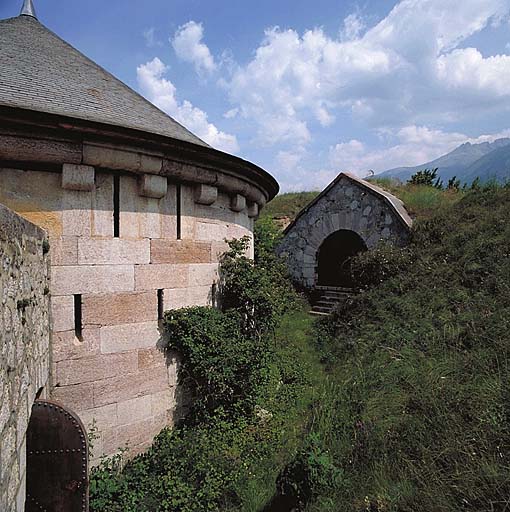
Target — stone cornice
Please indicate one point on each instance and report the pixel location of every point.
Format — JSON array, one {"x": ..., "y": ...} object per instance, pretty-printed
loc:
[{"x": 37, "y": 140}]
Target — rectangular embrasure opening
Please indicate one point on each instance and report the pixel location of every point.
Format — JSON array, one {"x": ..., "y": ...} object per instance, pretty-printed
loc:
[
  {"x": 78, "y": 329},
  {"x": 116, "y": 206},
  {"x": 161, "y": 297},
  {"x": 178, "y": 210}
]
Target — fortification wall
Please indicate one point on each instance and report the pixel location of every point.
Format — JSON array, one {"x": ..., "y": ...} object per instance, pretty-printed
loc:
[
  {"x": 112, "y": 370},
  {"x": 24, "y": 342}
]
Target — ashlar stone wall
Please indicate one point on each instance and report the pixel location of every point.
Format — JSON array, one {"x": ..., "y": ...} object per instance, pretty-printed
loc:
[
  {"x": 348, "y": 203},
  {"x": 114, "y": 373},
  {"x": 24, "y": 344}
]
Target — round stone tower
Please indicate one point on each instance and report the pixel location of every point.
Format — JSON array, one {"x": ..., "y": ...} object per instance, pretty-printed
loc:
[{"x": 137, "y": 210}]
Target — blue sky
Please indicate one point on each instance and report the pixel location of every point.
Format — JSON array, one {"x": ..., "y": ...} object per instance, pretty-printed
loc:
[{"x": 304, "y": 88}]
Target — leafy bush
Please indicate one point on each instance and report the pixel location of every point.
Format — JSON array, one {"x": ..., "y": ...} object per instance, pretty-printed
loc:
[
  {"x": 418, "y": 419},
  {"x": 224, "y": 368},
  {"x": 249, "y": 399},
  {"x": 427, "y": 177}
]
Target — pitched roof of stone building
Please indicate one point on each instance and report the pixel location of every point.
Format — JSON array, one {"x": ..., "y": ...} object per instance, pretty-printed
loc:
[
  {"x": 396, "y": 204},
  {"x": 41, "y": 72}
]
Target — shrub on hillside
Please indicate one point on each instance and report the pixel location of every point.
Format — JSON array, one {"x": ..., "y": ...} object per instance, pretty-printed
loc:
[
  {"x": 419, "y": 418},
  {"x": 427, "y": 177}
]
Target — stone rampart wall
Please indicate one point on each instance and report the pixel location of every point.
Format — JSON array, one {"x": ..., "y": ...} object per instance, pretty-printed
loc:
[
  {"x": 24, "y": 342},
  {"x": 114, "y": 374}
]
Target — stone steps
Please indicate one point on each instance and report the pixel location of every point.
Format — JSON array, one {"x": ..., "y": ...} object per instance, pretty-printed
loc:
[{"x": 329, "y": 298}]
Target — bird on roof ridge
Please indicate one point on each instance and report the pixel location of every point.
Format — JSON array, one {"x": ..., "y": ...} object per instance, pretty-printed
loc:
[{"x": 28, "y": 9}]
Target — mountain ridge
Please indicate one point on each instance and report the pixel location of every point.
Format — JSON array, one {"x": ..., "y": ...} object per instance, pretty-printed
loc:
[{"x": 467, "y": 162}]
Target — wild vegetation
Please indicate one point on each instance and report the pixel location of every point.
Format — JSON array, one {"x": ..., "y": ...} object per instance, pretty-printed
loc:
[
  {"x": 248, "y": 393},
  {"x": 397, "y": 402}
]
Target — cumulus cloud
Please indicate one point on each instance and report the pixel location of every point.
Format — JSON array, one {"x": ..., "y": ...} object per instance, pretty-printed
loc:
[
  {"x": 407, "y": 69},
  {"x": 161, "y": 91},
  {"x": 352, "y": 27},
  {"x": 413, "y": 145},
  {"x": 188, "y": 46}
]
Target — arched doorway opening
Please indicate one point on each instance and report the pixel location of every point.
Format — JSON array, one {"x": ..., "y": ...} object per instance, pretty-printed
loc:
[{"x": 335, "y": 256}]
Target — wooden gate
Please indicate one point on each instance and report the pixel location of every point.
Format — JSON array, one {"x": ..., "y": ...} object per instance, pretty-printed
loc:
[{"x": 57, "y": 460}]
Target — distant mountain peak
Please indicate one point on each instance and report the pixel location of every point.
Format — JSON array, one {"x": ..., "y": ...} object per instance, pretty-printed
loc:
[{"x": 461, "y": 162}]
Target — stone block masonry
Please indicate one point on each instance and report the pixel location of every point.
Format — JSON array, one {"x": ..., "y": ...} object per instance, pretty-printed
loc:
[
  {"x": 24, "y": 342},
  {"x": 108, "y": 292},
  {"x": 348, "y": 204}
]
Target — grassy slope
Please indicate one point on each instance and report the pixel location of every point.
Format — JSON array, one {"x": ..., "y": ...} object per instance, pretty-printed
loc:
[
  {"x": 418, "y": 415},
  {"x": 288, "y": 205}
]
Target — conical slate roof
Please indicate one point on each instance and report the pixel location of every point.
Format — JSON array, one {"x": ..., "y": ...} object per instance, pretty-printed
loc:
[{"x": 41, "y": 72}]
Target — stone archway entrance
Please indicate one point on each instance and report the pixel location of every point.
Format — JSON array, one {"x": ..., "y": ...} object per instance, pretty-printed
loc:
[{"x": 334, "y": 258}]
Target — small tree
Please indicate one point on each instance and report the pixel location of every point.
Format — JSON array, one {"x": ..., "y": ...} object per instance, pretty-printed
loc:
[
  {"x": 453, "y": 184},
  {"x": 427, "y": 177}
]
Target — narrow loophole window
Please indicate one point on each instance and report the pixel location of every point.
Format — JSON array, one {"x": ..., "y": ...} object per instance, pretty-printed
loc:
[
  {"x": 178, "y": 210},
  {"x": 161, "y": 297},
  {"x": 116, "y": 206},
  {"x": 78, "y": 329}
]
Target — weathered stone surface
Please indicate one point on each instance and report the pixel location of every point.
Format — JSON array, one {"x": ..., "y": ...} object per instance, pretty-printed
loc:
[
  {"x": 102, "y": 417},
  {"x": 24, "y": 342},
  {"x": 77, "y": 397},
  {"x": 126, "y": 386},
  {"x": 253, "y": 210},
  {"x": 102, "y": 206},
  {"x": 76, "y": 213},
  {"x": 350, "y": 204},
  {"x": 209, "y": 231},
  {"x": 119, "y": 308},
  {"x": 203, "y": 275},
  {"x": 64, "y": 250},
  {"x": 149, "y": 217},
  {"x": 136, "y": 409},
  {"x": 62, "y": 313},
  {"x": 152, "y": 186},
  {"x": 162, "y": 402},
  {"x": 95, "y": 368},
  {"x": 78, "y": 177},
  {"x": 168, "y": 211},
  {"x": 113, "y": 251},
  {"x": 180, "y": 251},
  {"x": 83, "y": 279},
  {"x": 217, "y": 250},
  {"x": 151, "y": 357},
  {"x": 238, "y": 203},
  {"x": 154, "y": 277},
  {"x": 187, "y": 297},
  {"x": 129, "y": 337},
  {"x": 65, "y": 345},
  {"x": 35, "y": 195},
  {"x": 205, "y": 194}
]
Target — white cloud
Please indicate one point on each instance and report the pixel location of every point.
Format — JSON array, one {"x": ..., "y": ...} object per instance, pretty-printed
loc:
[
  {"x": 352, "y": 27},
  {"x": 407, "y": 69},
  {"x": 414, "y": 145},
  {"x": 162, "y": 93},
  {"x": 467, "y": 70},
  {"x": 188, "y": 45},
  {"x": 150, "y": 37}
]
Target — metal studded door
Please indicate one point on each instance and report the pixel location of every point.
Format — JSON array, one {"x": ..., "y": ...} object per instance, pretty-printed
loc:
[{"x": 57, "y": 460}]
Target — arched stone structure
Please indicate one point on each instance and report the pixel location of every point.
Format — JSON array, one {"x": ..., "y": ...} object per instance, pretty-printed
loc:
[
  {"x": 334, "y": 257},
  {"x": 348, "y": 203}
]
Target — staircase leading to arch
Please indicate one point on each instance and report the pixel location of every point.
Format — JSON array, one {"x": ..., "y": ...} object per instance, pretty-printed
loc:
[{"x": 328, "y": 297}]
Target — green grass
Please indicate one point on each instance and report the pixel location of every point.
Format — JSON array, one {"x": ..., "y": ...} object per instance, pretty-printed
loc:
[
  {"x": 416, "y": 410},
  {"x": 288, "y": 205},
  {"x": 420, "y": 201}
]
